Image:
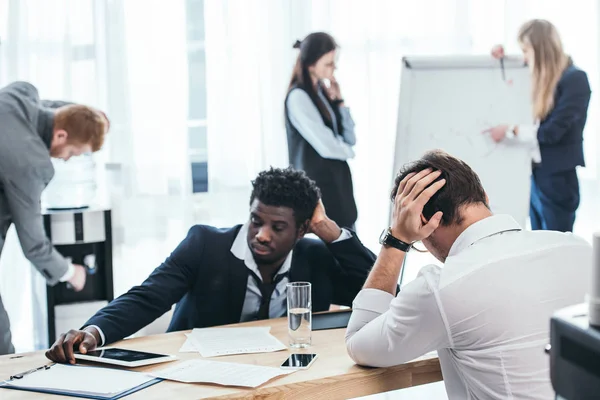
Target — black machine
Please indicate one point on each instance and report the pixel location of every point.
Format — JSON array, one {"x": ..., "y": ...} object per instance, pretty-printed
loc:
[
  {"x": 574, "y": 355},
  {"x": 84, "y": 236}
]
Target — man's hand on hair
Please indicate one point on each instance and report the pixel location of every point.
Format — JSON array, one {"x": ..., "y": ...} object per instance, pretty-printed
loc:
[
  {"x": 415, "y": 190},
  {"x": 322, "y": 226}
]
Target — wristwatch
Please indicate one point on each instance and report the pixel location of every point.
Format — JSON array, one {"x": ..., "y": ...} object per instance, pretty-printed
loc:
[{"x": 388, "y": 239}]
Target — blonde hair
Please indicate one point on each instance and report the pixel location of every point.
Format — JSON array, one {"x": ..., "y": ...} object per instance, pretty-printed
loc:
[
  {"x": 83, "y": 124},
  {"x": 549, "y": 63}
]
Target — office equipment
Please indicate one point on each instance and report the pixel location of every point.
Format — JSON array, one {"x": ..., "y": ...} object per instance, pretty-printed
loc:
[
  {"x": 574, "y": 354},
  {"x": 74, "y": 184},
  {"x": 331, "y": 320},
  {"x": 447, "y": 101},
  {"x": 333, "y": 376},
  {"x": 124, "y": 357},
  {"x": 214, "y": 342},
  {"x": 79, "y": 381},
  {"x": 299, "y": 361},
  {"x": 84, "y": 236},
  {"x": 220, "y": 373},
  {"x": 594, "y": 295}
]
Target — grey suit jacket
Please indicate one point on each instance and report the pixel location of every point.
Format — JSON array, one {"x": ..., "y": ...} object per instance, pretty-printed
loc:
[{"x": 26, "y": 125}]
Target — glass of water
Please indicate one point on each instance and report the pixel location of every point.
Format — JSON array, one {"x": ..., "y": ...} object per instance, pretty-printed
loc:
[{"x": 299, "y": 305}]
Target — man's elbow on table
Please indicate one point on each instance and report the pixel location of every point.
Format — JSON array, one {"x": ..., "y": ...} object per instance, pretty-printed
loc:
[{"x": 365, "y": 353}]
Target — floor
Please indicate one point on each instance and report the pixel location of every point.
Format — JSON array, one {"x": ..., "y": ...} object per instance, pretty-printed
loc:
[
  {"x": 147, "y": 228},
  {"x": 431, "y": 391}
]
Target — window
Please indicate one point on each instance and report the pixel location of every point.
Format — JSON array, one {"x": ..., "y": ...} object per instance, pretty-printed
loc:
[{"x": 197, "y": 95}]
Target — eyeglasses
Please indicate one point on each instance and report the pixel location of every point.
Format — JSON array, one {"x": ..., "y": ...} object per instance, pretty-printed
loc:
[{"x": 420, "y": 249}]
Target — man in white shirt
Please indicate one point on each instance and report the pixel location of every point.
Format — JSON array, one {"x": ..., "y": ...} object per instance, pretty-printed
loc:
[{"x": 487, "y": 311}]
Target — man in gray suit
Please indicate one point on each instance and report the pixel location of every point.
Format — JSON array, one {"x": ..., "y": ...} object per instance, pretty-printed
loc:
[{"x": 31, "y": 132}]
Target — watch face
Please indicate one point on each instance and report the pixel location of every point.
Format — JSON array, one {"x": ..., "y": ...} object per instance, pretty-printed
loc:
[{"x": 383, "y": 236}]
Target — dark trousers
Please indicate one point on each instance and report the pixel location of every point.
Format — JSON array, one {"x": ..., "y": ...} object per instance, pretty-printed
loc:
[
  {"x": 554, "y": 200},
  {"x": 6, "y": 346}
]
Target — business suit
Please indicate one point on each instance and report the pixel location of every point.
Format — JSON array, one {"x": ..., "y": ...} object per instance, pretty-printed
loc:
[
  {"x": 26, "y": 128},
  {"x": 554, "y": 183},
  {"x": 208, "y": 282}
]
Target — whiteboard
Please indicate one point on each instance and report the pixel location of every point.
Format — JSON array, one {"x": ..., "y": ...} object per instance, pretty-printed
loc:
[{"x": 446, "y": 102}]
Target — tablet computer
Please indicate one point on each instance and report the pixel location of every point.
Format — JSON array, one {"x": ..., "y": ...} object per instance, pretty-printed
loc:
[
  {"x": 331, "y": 320},
  {"x": 124, "y": 357}
]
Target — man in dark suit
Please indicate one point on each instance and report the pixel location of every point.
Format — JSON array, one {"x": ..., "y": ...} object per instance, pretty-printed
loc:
[{"x": 225, "y": 276}]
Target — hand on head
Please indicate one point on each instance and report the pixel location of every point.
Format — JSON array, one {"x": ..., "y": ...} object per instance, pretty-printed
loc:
[
  {"x": 62, "y": 351},
  {"x": 415, "y": 190},
  {"x": 318, "y": 217}
]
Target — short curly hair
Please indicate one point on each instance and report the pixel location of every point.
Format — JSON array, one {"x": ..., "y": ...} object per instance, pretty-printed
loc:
[{"x": 287, "y": 188}]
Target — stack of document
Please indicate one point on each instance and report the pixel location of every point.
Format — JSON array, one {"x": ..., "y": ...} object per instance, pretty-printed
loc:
[
  {"x": 82, "y": 381},
  {"x": 214, "y": 342},
  {"x": 221, "y": 373}
]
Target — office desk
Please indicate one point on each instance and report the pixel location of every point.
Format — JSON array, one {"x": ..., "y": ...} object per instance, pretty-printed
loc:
[{"x": 333, "y": 375}]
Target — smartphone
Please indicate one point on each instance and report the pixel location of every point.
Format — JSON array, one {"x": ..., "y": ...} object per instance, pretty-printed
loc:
[{"x": 299, "y": 361}]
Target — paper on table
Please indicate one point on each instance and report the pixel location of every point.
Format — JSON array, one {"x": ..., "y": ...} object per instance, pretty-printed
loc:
[
  {"x": 188, "y": 346},
  {"x": 76, "y": 378},
  {"x": 221, "y": 373},
  {"x": 213, "y": 342}
]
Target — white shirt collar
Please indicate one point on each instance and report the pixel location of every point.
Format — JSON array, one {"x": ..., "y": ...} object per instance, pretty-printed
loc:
[
  {"x": 240, "y": 249},
  {"x": 481, "y": 229}
]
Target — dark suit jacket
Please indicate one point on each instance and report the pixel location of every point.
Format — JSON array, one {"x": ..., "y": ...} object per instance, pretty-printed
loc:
[
  {"x": 560, "y": 134},
  {"x": 208, "y": 282}
]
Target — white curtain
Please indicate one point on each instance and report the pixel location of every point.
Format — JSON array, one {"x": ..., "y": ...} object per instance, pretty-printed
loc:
[
  {"x": 249, "y": 61},
  {"x": 248, "y": 53},
  {"x": 155, "y": 74}
]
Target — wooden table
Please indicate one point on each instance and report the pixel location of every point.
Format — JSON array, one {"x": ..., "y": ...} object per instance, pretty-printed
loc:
[{"x": 333, "y": 375}]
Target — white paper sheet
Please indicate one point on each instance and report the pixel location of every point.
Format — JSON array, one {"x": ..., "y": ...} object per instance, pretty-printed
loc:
[
  {"x": 74, "y": 378},
  {"x": 214, "y": 342},
  {"x": 221, "y": 373},
  {"x": 188, "y": 346}
]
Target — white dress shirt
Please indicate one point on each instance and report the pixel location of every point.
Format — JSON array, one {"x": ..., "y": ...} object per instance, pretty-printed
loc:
[
  {"x": 278, "y": 304},
  {"x": 487, "y": 311},
  {"x": 305, "y": 117},
  {"x": 528, "y": 134}
]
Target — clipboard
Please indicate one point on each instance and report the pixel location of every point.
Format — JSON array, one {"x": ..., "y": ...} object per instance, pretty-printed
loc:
[{"x": 15, "y": 381}]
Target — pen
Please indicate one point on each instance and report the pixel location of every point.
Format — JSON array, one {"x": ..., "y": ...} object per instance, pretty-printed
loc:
[
  {"x": 502, "y": 67},
  {"x": 31, "y": 371}
]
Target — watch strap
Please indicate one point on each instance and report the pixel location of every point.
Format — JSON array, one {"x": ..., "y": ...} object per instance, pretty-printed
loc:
[{"x": 390, "y": 240}]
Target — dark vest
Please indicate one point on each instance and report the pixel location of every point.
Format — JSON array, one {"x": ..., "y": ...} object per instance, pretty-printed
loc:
[{"x": 332, "y": 176}]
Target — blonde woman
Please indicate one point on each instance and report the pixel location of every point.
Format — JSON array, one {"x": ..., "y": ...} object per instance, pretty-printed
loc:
[{"x": 560, "y": 97}]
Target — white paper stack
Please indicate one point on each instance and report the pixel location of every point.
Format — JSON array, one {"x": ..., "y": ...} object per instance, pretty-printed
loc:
[
  {"x": 220, "y": 373},
  {"x": 214, "y": 342},
  {"x": 76, "y": 380}
]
